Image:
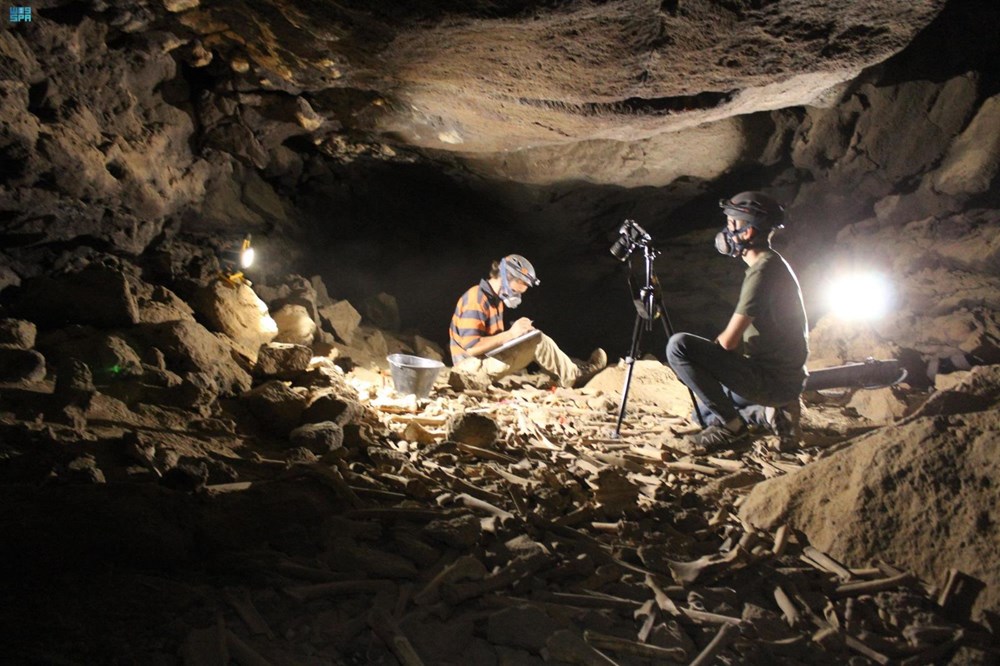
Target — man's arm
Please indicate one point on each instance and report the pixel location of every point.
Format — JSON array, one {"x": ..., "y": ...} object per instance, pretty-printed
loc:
[
  {"x": 486, "y": 344},
  {"x": 731, "y": 337}
]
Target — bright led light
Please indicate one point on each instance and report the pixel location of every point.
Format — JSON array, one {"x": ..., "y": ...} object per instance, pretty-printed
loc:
[
  {"x": 246, "y": 257},
  {"x": 859, "y": 296}
]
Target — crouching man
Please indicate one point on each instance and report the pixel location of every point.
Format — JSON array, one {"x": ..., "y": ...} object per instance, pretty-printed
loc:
[
  {"x": 477, "y": 327},
  {"x": 766, "y": 379}
]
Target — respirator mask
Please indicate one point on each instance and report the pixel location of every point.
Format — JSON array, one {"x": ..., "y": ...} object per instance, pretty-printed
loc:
[
  {"x": 728, "y": 243},
  {"x": 509, "y": 297}
]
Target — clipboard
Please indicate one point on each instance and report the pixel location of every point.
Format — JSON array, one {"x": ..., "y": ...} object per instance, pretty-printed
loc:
[{"x": 513, "y": 343}]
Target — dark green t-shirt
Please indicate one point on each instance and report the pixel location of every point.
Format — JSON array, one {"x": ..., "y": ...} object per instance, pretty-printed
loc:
[{"x": 778, "y": 337}]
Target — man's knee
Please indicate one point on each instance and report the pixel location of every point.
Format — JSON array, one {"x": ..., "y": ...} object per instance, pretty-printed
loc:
[{"x": 677, "y": 345}]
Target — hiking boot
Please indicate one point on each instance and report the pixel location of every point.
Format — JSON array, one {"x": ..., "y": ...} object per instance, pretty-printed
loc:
[
  {"x": 717, "y": 437},
  {"x": 785, "y": 423},
  {"x": 598, "y": 361}
]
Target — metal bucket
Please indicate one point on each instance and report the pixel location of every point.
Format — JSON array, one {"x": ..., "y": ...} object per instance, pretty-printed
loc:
[{"x": 413, "y": 374}]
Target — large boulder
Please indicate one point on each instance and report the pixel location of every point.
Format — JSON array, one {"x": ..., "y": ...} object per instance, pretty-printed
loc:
[
  {"x": 189, "y": 348},
  {"x": 342, "y": 318},
  {"x": 295, "y": 326},
  {"x": 921, "y": 494},
  {"x": 97, "y": 295},
  {"x": 235, "y": 311}
]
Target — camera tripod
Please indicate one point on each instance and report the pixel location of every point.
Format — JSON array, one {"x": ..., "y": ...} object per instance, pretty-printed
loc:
[{"x": 649, "y": 307}]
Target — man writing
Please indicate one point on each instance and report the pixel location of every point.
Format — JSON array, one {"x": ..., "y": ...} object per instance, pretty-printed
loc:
[
  {"x": 477, "y": 328},
  {"x": 769, "y": 321}
]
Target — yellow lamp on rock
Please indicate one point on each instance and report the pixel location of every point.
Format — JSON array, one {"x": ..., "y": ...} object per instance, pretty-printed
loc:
[{"x": 237, "y": 259}]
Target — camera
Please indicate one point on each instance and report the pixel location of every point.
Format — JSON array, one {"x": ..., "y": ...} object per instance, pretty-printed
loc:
[{"x": 631, "y": 236}]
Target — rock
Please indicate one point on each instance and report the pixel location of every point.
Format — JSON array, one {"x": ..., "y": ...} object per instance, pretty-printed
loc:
[
  {"x": 17, "y": 334},
  {"x": 176, "y": 6},
  {"x": 21, "y": 365},
  {"x": 294, "y": 325},
  {"x": 972, "y": 162},
  {"x": 158, "y": 304},
  {"x": 921, "y": 495},
  {"x": 342, "y": 318},
  {"x": 189, "y": 347},
  {"x": 235, "y": 311},
  {"x": 427, "y": 349},
  {"x": 97, "y": 295},
  {"x": 475, "y": 429},
  {"x": 322, "y": 294},
  {"x": 74, "y": 381},
  {"x": 373, "y": 345},
  {"x": 8, "y": 278},
  {"x": 320, "y": 438},
  {"x": 524, "y": 626},
  {"x": 882, "y": 405},
  {"x": 461, "y": 532},
  {"x": 275, "y": 406},
  {"x": 469, "y": 381},
  {"x": 84, "y": 469},
  {"x": 281, "y": 360},
  {"x": 331, "y": 406},
  {"x": 383, "y": 311}
]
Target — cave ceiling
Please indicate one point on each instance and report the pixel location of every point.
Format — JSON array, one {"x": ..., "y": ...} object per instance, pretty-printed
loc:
[{"x": 540, "y": 92}]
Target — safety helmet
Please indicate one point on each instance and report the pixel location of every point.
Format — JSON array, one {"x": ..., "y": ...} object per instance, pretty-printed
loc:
[
  {"x": 756, "y": 209},
  {"x": 518, "y": 267}
]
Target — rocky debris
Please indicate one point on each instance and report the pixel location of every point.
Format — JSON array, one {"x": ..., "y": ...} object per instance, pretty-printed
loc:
[
  {"x": 935, "y": 469},
  {"x": 507, "y": 519}
]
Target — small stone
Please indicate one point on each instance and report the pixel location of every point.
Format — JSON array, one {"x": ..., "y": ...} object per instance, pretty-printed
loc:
[{"x": 17, "y": 334}]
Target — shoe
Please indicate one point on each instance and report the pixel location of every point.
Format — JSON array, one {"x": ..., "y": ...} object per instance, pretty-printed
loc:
[
  {"x": 598, "y": 361},
  {"x": 716, "y": 437},
  {"x": 785, "y": 423}
]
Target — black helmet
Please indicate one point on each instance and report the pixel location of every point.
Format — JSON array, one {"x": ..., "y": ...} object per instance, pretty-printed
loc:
[{"x": 756, "y": 209}]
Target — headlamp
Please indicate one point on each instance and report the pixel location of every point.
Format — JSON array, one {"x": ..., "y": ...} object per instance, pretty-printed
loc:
[{"x": 630, "y": 236}]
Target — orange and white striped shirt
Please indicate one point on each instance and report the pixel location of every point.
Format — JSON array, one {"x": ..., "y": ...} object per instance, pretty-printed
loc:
[{"x": 478, "y": 314}]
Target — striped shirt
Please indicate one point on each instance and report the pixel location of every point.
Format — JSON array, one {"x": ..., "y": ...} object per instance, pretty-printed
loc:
[{"x": 479, "y": 313}]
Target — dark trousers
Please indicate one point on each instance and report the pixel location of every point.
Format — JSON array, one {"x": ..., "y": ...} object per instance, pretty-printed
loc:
[{"x": 725, "y": 383}]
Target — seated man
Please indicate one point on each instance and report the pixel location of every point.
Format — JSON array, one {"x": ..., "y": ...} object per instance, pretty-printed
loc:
[
  {"x": 477, "y": 327},
  {"x": 766, "y": 380}
]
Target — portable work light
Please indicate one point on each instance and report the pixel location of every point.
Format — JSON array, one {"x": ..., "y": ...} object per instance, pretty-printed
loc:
[
  {"x": 237, "y": 259},
  {"x": 859, "y": 296}
]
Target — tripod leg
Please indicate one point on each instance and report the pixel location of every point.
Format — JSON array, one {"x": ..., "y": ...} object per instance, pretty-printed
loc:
[
  {"x": 669, "y": 330},
  {"x": 630, "y": 362}
]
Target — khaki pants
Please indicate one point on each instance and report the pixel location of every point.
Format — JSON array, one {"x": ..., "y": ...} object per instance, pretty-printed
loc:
[{"x": 543, "y": 350}]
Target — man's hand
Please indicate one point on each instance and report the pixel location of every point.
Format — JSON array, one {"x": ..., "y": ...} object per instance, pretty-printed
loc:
[{"x": 520, "y": 327}]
